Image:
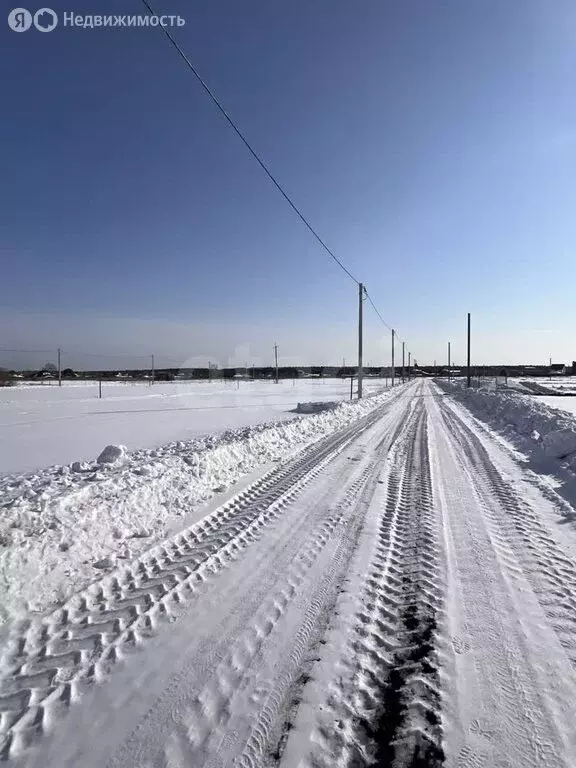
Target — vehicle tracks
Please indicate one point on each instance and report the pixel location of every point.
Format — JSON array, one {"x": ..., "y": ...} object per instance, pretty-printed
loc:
[
  {"x": 550, "y": 571},
  {"x": 47, "y": 662},
  {"x": 511, "y": 684},
  {"x": 385, "y": 697}
]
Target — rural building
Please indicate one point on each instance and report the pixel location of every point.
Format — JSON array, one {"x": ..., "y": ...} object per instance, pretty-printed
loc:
[{"x": 558, "y": 369}]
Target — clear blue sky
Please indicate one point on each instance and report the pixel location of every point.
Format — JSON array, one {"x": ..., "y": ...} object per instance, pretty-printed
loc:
[{"x": 432, "y": 144}]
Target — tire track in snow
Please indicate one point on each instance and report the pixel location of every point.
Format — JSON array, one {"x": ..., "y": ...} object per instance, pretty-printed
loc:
[
  {"x": 550, "y": 571},
  {"x": 47, "y": 662},
  {"x": 236, "y": 715},
  {"x": 231, "y": 678},
  {"x": 314, "y": 623},
  {"x": 384, "y": 705},
  {"x": 513, "y": 690}
]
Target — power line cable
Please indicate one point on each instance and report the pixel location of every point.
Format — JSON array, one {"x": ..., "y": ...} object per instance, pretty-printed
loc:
[
  {"x": 258, "y": 159},
  {"x": 32, "y": 351},
  {"x": 252, "y": 151},
  {"x": 382, "y": 319}
]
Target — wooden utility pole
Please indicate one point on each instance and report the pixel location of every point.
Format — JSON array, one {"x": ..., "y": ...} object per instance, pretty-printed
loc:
[
  {"x": 276, "y": 360},
  {"x": 360, "y": 370},
  {"x": 403, "y": 346},
  {"x": 449, "y": 371},
  {"x": 59, "y": 368},
  {"x": 468, "y": 375},
  {"x": 393, "y": 372},
  {"x": 409, "y": 365}
]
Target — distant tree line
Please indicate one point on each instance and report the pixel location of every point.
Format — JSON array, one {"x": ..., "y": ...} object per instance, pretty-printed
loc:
[{"x": 50, "y": 372}]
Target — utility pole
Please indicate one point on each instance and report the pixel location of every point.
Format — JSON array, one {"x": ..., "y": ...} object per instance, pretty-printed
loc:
[
  {"x": 393, "y": 371},
  {"x": 468, "y": 381},
  {"x": 152, "y": 379},
  {"x": 403, "y": 345},
  {"x": 59, "y": 368},
  {"x": 409, "y": 365},
  {"x": 550, "y": 370},
  {"x": 276, "y": 360},
  {"x": 449, "y": 371},
  {"x": 360, "y": 370}
]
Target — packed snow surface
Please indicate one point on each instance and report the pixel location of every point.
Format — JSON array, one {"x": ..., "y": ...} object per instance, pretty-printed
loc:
[{"x": 397, "y": 589}]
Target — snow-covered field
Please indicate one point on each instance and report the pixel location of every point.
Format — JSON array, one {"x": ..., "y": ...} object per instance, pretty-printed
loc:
[
  {"x": 61, "y": 526},
  {"x": 560, "y": 383},
  {"x": 46, "y": 424},
  {"x": 567, "y": 404},
  {"x": 390, "y": 582}
]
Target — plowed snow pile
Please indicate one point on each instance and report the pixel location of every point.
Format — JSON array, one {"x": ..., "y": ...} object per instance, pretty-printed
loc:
[
  {"x": 547, "y": 436},
  {"x": 59, "y": 525}
]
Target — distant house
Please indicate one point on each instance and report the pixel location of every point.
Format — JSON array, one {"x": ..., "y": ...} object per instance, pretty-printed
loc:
[
  {"x": 502, "y": 378},
  {"x": 558, "y": 369}
]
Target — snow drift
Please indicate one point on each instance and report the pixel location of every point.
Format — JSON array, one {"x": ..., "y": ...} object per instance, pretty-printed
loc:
[
  {"x": 542, "y": 432},
  {"x": 59, "y": 525},
  {"x": 315, "y": 407}
]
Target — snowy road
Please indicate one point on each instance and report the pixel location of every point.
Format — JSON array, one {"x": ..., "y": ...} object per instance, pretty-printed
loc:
[{"x": 401, "y": 594}]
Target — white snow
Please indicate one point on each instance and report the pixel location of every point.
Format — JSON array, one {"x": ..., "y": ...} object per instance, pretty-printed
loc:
[
  {"x": 58, "y": 524},
  {"x": 315, "y": 407},
  {"x": 42, "y": 425},
  {"x": 112, "y": 454},
  {"x": 403, "y": 593},
  {"x": 523, "y": 419},
  {"x": 560, "y": 443},
  {"x": 567, "y": 404}
]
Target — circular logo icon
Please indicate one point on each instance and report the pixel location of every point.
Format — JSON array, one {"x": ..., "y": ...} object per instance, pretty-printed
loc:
[
  {"x": 19, "y": 19},
  {"x": 45, "y": 20}
]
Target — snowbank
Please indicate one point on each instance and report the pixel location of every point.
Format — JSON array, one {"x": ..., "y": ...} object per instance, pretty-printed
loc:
[
  {"x": 315, "y": 407},
  {"x": 560, "y": 443},
  {"x": 59, "y": 525},
  {"x": 525, "y": 421},
  {"x": 48, "y": 425},
  {"x": 112, "y": 454}
]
